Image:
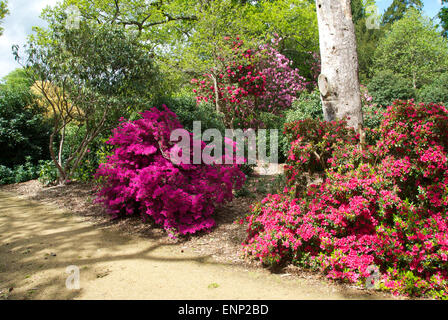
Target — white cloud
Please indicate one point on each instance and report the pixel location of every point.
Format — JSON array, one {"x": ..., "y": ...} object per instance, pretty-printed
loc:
[{"x": 24, "y": 14}]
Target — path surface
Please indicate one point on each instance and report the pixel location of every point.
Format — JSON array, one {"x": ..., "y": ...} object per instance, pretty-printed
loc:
[{"x": 38, "y": 242}]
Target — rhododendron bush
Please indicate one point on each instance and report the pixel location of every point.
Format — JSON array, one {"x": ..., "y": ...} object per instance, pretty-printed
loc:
[
  {"x": 250, "y": 81},
  {"x": 140, "y": 178},
  {"x": 383, "y": 205}
]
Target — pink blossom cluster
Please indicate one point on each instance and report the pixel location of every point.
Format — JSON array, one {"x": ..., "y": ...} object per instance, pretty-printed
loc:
[
  {"x": 139, "y": 177},
  {"x": 383, "y": 205}
]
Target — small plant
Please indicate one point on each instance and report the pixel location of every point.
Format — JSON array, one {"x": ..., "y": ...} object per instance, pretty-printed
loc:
[{"x": 48, "y": 173}]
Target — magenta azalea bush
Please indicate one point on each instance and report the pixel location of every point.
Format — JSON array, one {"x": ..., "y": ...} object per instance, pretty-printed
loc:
[
  {"x": 139, "y": 177},
  {"x": 383, "y": 205}
]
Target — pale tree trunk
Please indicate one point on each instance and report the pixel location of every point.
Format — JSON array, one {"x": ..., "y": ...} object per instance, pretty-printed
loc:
[{"x": 339, "y": 80}]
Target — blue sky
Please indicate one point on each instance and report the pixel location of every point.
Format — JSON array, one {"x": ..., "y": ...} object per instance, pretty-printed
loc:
[{"x": 24, "y": 14}]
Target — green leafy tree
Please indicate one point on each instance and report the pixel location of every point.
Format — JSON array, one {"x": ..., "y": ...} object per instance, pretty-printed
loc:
[
  {"x": 413, "y": 49},
  {"x": 398, "y": 9},
  {"x": 87, "y": 77},
  {"x": 443, "y": 17},
  {"x": 24, "y": 130},
  {"x": 184, "y": 36},
  {"x": 367, "y": 36},
  {"x": 294, "y": 22},
  {"x": 3, "y": 12}
]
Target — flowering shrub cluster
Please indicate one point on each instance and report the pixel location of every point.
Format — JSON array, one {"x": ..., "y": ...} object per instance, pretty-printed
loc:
[
  {"x": 140, "y": 178},
  {"x": 312, "y": 143},
  {"x": 251, "y": 81},
  {"x": 383, "y": 205}
]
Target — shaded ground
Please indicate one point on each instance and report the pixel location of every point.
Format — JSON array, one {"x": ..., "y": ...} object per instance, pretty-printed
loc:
[{"x": 130, "y": 260}]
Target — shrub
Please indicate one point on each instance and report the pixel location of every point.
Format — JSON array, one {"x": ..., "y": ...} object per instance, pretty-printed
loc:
[
  {"x": 249, "y": 82},
  {"x": 188, "y": 111},
  {"x": 307, "y": 106},
  {"x": 140, "y": 178},
  {"x": 23, "y": 130},
  {"x": 385, "y": 205},
  {"x": 312, "y": 143},
  {"x": 436, "y": 91},
  {"x": 372, "y": 114},
  {"x": 48, "y": 173},
  {"x": 386, "y": 87},
  {"x": 6, "y": 175},
  {"x": 21, "y": 173}
]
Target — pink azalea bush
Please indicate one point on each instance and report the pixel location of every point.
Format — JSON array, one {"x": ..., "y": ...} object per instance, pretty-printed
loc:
[
  {"x": 383, "y": 205},
  {"x": 140, "y": 178}
]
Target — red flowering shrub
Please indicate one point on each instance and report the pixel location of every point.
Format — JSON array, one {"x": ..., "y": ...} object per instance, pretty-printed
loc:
[
  {"x": 312, "y": 143},
  {"x": 140, "y": 178},
  {"x": 385, "y": 205}
]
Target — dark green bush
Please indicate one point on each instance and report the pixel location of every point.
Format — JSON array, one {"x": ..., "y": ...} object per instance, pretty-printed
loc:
[
  {"x": 307, "y": 106},
  {"x": 24, "y": 132},
  {"x": 386, "y": 87},
  {"x": 189, "y": 111},
  {"x": 21, "y": 173},
  {"x": 436, "y": 92}
]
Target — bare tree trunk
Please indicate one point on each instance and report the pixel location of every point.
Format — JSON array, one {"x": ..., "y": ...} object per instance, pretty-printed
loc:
[
  {"x": 61, "y": 146},
  {"x": 339, "y": 80},
  {"x": 62, "y": 173},
  {"x": 215, "y": 90}
]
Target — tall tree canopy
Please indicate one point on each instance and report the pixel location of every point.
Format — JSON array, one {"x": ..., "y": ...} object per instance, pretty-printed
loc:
[
  {"x": 443, "y": 17},
  {"x": 398, "y": 9},
  {"x": 89, "y": 76},
  {"x": 3, "y": 12},
  {"x": 413, "y": 49},
  {"x": 185, "y": 35}
]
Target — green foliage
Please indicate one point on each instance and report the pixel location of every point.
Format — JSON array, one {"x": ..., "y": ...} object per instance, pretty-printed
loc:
[
  {"x": 373, "y": 116},
  {"x": 398, "y": 9},
  {"x": 366, "y": 38},
  {"x": 443, "y": 17},
  {"x": 21, "y": 173},
  {"x": 3, "y": 12},
  {"x": 307, "y": 106},
  {"x": 6, "y": 175},
  {"x": 436, "y": 91},
  {"x": 188, "y": 111},
  {"x": 293, "y": 21},
  {"x": 24, "y": 131},
  {"x": 88, "y": 76},
  {"x": 412, "y": 49},
  {"x": 48, "y": 173},
  {"x": 387, "y": 86},
  {"x": 96, "y": 152},
  {"x": 26, "y": 172}
]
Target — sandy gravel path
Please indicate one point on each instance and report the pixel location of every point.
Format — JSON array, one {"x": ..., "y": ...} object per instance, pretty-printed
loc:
[{"x": 38, "y": 242}]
